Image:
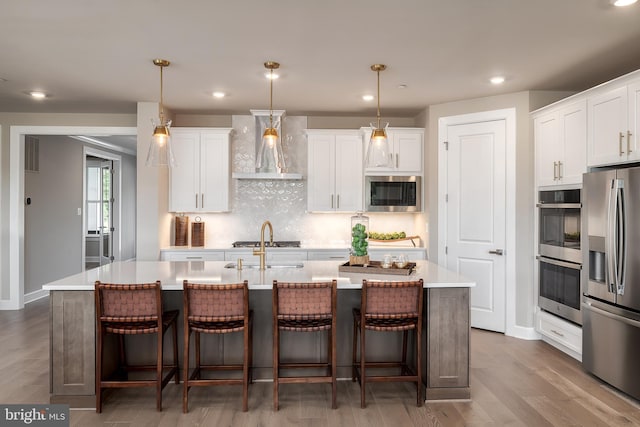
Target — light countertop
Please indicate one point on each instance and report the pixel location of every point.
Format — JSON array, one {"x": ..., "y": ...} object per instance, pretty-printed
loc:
[{"x": 172, "y": 273}]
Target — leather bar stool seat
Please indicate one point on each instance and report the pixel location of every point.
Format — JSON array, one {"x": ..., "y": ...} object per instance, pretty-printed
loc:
[
  {"x": 388, "y": 307},
  {"x": 133, "y": 309},
  {"x": 304, "y": 307},
  {"x": 216, "y": 309}
]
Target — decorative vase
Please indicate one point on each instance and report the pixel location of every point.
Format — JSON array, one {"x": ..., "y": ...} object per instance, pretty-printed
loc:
[{"x": 359, "y": 254}]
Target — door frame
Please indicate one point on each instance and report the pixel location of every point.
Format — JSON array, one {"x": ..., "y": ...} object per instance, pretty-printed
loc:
[
  {"x": 16, "y": 298},
  {"x": 117, "y": 196},
  {"x": 509, "y": 116}
]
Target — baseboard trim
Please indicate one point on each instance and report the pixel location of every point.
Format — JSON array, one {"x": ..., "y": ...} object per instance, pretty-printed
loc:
[
  {"x": 35, "y": 295},
  {"x": 523, "y": 333}
]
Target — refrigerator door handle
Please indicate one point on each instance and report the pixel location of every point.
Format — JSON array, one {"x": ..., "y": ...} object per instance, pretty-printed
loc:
[
  {"x": 621, "y": 244},
  {"x": 609, "y": 241}
]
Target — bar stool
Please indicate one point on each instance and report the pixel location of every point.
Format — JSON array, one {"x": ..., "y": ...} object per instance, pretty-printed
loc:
[
  {"x": 133, "y": 309},
  {"x": 388, "y": 306},
  {"x": 304, "y": 307},
  {"x": 216, "y": 309}
]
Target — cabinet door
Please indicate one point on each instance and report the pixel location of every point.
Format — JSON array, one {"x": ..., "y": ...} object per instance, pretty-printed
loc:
[
  {"x": 184, "y": 177},
  {"x": 321, "y": 169},
  {"x": 407, "y": 151},
  {"x": 547, "y": 153},
  {"x": 633, "y": 148},
  {"x": 214, "y": 172},
  {"x": 573, "y": 137},
  {"x": 348, "y": 170},
  {"x": 607, "y": 120}
]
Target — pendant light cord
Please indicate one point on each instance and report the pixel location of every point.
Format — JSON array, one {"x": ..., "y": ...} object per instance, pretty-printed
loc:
[
  {"x": 161, "y": 98},
  {"x": 378, "y": 72},
  {"x": 271, "y": 99}
]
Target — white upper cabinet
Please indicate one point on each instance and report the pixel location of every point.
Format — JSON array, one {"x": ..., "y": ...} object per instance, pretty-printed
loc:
[
  {"x": 613, "y": 125},
  {"x": 406, "y": 151},
  {"x": 561, "y": 144},
  {"x": 335, "y": 177},
  {"x": 200, "y": 180}
]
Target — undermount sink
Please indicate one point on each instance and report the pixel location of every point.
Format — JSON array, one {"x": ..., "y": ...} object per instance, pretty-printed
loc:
[{"x": 256, "y": 266}]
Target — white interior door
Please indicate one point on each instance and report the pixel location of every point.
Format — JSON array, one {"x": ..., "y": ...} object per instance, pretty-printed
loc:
[{"x": 476, "y": 214}]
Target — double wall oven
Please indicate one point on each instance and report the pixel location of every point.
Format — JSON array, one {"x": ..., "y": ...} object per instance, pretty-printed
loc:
[{"x": 559, "y": 255}]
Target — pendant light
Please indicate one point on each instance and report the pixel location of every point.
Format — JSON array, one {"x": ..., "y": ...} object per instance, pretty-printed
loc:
[
  {"x": 378, "y": 149},
  {"x": 270, "y": 157},
  {"x": 160, "y": 153}
]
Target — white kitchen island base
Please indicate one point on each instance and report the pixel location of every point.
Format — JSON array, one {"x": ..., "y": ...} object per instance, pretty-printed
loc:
[{"x": 446, "y": 328}]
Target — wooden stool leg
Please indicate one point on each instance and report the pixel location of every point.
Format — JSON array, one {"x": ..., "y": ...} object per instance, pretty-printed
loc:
[
  {"x": 419, "y": 363},
  {"x": 250, "y": 350},
  {"x": 276, "y": 364},
  {"x": 159, "y": 361},
  {"x": 185, "y": 371},
  {"x": 334, "y": 383},
  {"x": 99, "y": 372},
  {"x": 245, "y": 371},
  {"x": 176, "y": 361},
  {"x": 355, "y": 349},
  {"x": 404, "y": 370},
  {"x": 197, "y": 351},
  {"x": 363, "y": 374}
]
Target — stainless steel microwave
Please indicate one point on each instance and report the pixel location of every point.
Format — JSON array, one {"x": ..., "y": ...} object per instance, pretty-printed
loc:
[{"x": 393, "y": 193}]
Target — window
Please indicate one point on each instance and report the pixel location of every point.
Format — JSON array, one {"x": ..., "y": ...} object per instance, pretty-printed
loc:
[{"x": 98, "y": 197}]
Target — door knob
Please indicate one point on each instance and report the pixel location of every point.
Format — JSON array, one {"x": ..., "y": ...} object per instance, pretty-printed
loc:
[{"x": 497, "y": 252}]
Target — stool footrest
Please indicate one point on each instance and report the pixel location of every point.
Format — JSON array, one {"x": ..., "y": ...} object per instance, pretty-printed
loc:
[{"x": 305, "y": 380}]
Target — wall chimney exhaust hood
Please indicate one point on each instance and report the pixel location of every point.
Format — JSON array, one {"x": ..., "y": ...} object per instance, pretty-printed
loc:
[{"x": 268, "y": 171}]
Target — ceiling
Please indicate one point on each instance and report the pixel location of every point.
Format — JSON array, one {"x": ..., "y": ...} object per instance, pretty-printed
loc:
[{"x": 95, "y": 56}]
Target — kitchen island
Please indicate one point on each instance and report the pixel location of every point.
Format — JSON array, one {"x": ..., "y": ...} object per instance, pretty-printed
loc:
[{"x": 446, "y": 321}]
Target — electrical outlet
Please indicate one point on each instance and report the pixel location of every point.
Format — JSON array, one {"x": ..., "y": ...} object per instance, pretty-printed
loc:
[{"x": 79, "y": 211}]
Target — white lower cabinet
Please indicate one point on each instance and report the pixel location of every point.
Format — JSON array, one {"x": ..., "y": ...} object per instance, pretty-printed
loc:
[
  {"x": 328, "y": 255},
  {"x": 184, "y": 255},
  {"x": 563, "y": 335},
  {"x": 273, "y": 256}
]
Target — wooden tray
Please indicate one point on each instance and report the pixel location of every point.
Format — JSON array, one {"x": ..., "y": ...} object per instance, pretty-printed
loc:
[
  {"x": 396, "y": 240},
  {"x": 375, "y": 267}
]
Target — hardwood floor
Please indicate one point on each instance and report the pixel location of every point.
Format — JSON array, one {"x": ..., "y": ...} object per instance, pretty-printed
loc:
[{"x": 513, "y": 382}]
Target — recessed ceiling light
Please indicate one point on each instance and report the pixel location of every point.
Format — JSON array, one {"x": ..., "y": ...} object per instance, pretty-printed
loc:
[
  {"x": 496, "y": 80},
  {"x": 402, "y": 86},
  {"x": 367, "y": 97},
  {"x": 38, "y": 95},
  {"x": 621, "y": 3},
  {"x": 273, "y": 76},
  {"x": 218, "y": 94}
]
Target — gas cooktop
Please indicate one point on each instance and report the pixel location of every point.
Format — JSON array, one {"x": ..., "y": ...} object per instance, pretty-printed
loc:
[{"x": 275, "y": 244}]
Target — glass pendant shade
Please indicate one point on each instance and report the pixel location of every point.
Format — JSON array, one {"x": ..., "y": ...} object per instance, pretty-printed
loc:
[
  {"x": 160, "y": 152},
  {"x": 378, "y": 150},
  {"x": 270, "y": 156}
]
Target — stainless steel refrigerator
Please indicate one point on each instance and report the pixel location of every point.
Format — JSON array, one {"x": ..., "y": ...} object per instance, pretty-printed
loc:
[{"x": 611, "y": 277}]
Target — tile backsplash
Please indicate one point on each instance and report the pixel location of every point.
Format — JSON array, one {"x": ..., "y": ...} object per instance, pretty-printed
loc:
[{"x": 283, "y": 203}]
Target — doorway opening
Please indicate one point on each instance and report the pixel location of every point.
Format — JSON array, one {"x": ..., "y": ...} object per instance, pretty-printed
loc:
[{"x": 101, "y": 223}]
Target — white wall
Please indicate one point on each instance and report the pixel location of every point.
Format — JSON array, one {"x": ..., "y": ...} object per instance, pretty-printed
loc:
[
  {"x": 53, "y": 228},
  {"x": 14, "y": 234}
]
